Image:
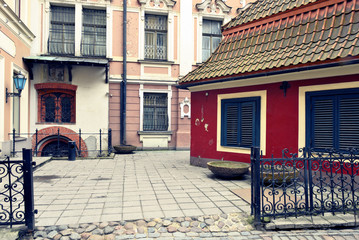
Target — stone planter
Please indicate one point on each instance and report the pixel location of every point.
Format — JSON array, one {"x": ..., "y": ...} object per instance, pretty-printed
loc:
[
  {"x": 228, "y": 169},
  {"x": 124, "y": 149},
  {"x": 278, "y": 175}
]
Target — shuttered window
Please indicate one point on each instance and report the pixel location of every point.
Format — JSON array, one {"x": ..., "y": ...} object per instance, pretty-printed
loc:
[
  {"x": 240, "y": 122},
  {"x": 332, "y": 120}
]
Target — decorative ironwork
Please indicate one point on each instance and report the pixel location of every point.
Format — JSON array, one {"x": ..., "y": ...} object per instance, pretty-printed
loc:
[
  {"x": 62, "y": 31},
  {"x": 309, "y": 184},
  {"x": 56, "y": 144},
  {"x": 16, "y": 196},
  {"x": 155, "y": 37}
]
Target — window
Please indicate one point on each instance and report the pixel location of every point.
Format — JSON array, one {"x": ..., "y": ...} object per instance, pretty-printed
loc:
[
  {"x": 155, "y": 37},
  {"x": 62, "y": 31},
  {"x": 211, "y": 37},
  {"x": 332, "y": 120},
  {"x": 94, "y": 33},
  {"x": 240, "y": 122},
  {"x": 57, "y": 107},
  {"x": 155, "y": 114}
]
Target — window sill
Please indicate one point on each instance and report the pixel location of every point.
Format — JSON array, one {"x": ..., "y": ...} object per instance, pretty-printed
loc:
[
  {"x": 54, "y": 123},
  {"x": 154, "y": 132},
  {"x": 154, "y": 61}
]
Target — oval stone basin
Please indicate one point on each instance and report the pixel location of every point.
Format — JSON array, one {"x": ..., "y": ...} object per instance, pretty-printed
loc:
[{"x": 228, "y": 169}]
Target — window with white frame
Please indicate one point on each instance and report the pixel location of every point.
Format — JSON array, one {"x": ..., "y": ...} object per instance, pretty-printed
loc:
[
  {"x": 211, "y": 37},
  {"x": 155, "y": 37},
  {"x": 62, "y": 31},
  {"x": 155, "y": 112},
  {"x": 93, "y": 33}
]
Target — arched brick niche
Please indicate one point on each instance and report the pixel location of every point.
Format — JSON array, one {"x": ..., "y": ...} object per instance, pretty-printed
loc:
[
  {"x": 48, "y": 135},
  {"x": 56, "y": 102}
]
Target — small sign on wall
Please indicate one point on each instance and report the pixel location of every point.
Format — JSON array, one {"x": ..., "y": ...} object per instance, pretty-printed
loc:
[{"x": 185, "y": 108}]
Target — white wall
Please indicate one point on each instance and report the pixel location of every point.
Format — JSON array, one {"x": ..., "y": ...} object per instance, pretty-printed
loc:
[{"x": 91, "y": 99}]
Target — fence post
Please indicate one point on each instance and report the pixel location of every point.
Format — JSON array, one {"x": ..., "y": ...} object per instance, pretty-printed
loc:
[
  {"x": 36, "y": 136},
  {"x": 255, "y": 158},
  {"x": 13, "y": 143},
  {"x": 100, "y": 144},
  {"x": 58, "y": 142},
  {"x": 80, "y": 142},
  {"x": 109, "y": 141},
  {"x": 28, "y": 190}
]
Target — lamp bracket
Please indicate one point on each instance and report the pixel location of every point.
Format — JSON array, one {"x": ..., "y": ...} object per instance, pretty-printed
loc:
[{"x": 12, "y": 94}]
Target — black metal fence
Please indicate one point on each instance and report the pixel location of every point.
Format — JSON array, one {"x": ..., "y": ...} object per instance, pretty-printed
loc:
[
  {"x": 50, "y": 143},
  {"x": 310, "y": 184},
  {"x": 17, "y": 195}
]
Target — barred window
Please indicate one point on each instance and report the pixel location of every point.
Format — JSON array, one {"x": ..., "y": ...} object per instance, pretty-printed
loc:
[
  {"x": 94, "y": 33},
  {"x": 211, "y": 37},
  {"x": 62, "y": 31},
  {"x": 155, "y": 37},
  {"x": 57, "y": 107},
  {"x": 155, "y": 117}
]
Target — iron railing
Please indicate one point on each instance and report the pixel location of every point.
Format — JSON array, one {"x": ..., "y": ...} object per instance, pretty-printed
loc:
[
  {"x": 17, "y": 194},
  {"x": 56, "y": 143},
  {"x": 310, "y": 184}
]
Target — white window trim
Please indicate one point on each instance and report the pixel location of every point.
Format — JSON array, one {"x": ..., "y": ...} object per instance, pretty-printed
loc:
[
  {"x": 302, "y": 104},
  {"x": 263, "y": 120},
  {"x": 170, "y": 31},
  {"x": 169, "y": 100}
]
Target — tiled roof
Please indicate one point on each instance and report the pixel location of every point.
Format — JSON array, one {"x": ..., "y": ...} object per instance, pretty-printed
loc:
[
  {"x": 315, "y": 34},
  {"x": 263, "y": 8}
]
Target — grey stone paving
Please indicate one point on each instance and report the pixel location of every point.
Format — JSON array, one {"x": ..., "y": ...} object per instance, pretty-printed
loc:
[{"x": 155, "y": 184}]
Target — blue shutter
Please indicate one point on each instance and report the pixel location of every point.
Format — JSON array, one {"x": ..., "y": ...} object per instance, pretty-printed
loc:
[
  {"x": 231, "y": 124},
  {"x": 349, "y": 122},
  {"x": 247, "y": 124},
  {"x": 323, "y": 123}
]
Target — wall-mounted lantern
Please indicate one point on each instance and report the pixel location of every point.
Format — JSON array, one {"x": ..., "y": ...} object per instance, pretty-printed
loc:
[{"x": 19, "y": 81}]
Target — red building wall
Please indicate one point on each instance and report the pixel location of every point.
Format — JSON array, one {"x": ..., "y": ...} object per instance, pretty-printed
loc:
[{"x": 281, "y": 117}]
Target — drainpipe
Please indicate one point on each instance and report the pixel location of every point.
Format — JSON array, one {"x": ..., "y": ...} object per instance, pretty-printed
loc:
[{"x": 124, "y": 77}]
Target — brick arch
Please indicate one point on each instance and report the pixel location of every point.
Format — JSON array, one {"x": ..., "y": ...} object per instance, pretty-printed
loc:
[{"x": 64, "y": 133}]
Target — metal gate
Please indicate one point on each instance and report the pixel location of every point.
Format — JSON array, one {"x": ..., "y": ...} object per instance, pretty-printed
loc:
[
  {"x": 310, "y": 184},
  {"x": 17, "y": 195}
]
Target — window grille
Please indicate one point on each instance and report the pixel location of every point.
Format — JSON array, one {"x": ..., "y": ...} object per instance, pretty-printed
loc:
[
  {"x": 211, "y": 37},
  {"x": 155, "y": 37},
  {"x": 62, "y": 31},
  {"x": 94, "y": 33},
  {"x": 155, "y": 116},
  {"x": 57, "y": 107}
]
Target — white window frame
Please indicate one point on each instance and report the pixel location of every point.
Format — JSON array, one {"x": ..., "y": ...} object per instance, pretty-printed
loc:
[
  {"x": 78, "y": 24},
  {"x": 169, "y": 100}
]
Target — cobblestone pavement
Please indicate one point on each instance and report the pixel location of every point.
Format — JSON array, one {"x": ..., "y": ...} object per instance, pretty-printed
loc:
[{"x": 147, "y": 195}]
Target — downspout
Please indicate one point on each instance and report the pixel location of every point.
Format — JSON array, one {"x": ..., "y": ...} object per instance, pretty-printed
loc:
[{"x": 124, "y": 77}]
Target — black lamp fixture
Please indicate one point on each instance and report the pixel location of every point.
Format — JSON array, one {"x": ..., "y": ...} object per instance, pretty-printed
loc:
[{"x": 19, "y": 81}]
